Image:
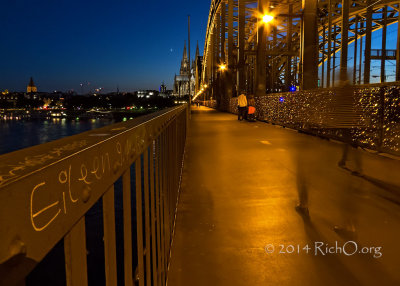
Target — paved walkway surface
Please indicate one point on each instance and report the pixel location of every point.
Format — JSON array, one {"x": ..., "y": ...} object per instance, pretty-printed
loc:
[{"x": 239, "y": 192}]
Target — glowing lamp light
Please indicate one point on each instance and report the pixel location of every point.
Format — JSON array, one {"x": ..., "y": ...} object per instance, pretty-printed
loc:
[
  {"x": 292, "y": 88},
  {"x": 267, "y": 18},
  {"x": 222, "y": 67},
  {"x": 281, "y": 99}
]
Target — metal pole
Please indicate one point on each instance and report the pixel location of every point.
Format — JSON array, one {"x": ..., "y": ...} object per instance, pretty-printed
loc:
[
  {"x": 229, "y": 76},
  {"x": 241, "y": 43},
  {"x": 299, "y": 59},
  {"x": 345, "y": 40},
  {"x": 334, "y": 56},
  {"x": 384, "y": 30},
  {"x": 273, "y": 73},
  {"x": 323, "y": 56},
  {"x": 360, "y": 64},
  {"x": 217, "y": 58},
  {"x": 260, "y": 61},
  {"x": 223, "y": 24},
  {"x": 215, "y": 63},
  {"x": 211, "y": 59},
  {"x": 224, "y": 95},
  {"x": 230, "y": 33},
  {"x": 368, "y": 35},
  {"x": 355, "y": 51},
  {"x": 309, "y": 37},
  {"x": 288, "y": 71},
  {"x": 218, "y": 38},
  {"x": 328, "y": 67}
]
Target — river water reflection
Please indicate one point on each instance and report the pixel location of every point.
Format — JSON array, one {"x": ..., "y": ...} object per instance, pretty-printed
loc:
[{"x": 19, "y": 134}]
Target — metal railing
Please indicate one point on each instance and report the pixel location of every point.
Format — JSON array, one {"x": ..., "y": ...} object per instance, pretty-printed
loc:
[
  {"x": 378, "y": 107},
  {"x": 46, "y": 191}
]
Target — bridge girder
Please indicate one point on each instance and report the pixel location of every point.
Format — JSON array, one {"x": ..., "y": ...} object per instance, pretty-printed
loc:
[{"x": 281, "y": 49}]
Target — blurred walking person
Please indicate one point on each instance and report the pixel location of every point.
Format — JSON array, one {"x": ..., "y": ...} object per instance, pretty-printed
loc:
[
  {"x": 302, "y": 158},
  {"x": 346, "y": 120}
]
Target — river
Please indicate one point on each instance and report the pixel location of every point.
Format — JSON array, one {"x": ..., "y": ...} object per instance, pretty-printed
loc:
[{"x": 19, "y": 134}]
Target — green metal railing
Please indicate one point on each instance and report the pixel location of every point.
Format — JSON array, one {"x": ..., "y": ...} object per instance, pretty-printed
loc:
[{"x": 46, "y": 191}]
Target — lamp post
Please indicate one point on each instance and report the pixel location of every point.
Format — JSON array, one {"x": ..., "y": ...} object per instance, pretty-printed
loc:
[{"x": 261, "y": 53}]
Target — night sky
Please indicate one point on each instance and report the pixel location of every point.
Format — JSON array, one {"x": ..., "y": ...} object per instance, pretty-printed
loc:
[
  {"x": 105, "y": 43},
  {"x": 63, "y": 43}
]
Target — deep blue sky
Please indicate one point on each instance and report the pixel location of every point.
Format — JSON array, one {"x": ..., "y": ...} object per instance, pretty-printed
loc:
[{"x": 62, "y": 43}]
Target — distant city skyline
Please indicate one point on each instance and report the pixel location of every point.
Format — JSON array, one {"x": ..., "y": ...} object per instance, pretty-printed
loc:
[{"x": 129, "y": 45}]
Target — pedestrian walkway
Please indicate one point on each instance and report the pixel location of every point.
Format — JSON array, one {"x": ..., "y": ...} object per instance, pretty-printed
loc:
[{"x": 237, "y": 223}]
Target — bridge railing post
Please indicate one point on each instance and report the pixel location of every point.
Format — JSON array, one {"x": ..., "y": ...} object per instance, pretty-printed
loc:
[
  {"x": 75, "y": 255},
  {"x": 110, "y": 251},
  {"x": 127, "y": 213}
]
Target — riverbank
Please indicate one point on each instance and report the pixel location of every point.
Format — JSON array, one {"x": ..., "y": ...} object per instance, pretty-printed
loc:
[{"x": 117, "y": 114}]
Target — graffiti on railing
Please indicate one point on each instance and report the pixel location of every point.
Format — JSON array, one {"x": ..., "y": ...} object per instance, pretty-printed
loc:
[
  {"x": 69, "y": 179},
  {"x": 12, "y": 172},
  {"x": 43, "y": 214}
]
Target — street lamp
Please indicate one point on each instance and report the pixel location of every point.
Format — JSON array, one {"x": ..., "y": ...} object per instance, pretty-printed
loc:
[
  {"x": 267, "y": 18},
  {"x": 222, "y": 67}
]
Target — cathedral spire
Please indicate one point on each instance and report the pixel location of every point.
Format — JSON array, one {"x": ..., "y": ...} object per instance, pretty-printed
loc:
[
  {"x": 185, "y": 63},
  {"x": 184, "y": 52}
]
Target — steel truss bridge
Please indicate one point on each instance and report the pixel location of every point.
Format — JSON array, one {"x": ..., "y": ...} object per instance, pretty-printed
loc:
[
  {"x": 48, "y": 192},
  {"x": 305, "y": 46}
]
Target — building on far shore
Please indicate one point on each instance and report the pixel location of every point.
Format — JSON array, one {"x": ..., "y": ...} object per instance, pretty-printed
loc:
[
  {"x": 147, "y": 93},
  {"x": 8, "y": 100},
  {"x": 163, "y": 91},
  {"x": 31, "y": 88}
]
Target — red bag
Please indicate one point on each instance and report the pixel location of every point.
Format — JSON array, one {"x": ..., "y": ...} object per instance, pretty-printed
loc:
[{"x": 252, "y": 109}]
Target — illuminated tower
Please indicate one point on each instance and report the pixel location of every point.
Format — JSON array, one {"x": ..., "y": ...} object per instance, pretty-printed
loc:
[
  {"x": 184, "y": 63},
  {"x": 31, "y": 87},
  {"x": 182, "y": 81}
]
